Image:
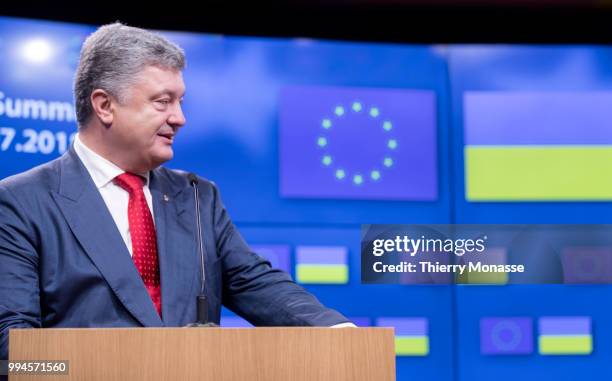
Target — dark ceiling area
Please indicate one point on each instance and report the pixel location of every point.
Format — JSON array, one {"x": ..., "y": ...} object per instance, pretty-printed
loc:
[{"x": 413, "y": 21}]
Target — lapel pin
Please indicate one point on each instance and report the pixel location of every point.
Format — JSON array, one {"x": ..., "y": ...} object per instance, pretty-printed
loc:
[{"x": 166, "y": 198}]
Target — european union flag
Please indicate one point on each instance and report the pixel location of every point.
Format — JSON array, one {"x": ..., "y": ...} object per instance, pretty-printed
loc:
[
  {"x": 358, "y": 143},
  {"x": 278, "y": 255},
  {"x": 506, "y": 335}
]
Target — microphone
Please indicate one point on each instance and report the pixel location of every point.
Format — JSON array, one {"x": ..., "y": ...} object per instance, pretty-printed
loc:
[{"x": 202, "y": 299}]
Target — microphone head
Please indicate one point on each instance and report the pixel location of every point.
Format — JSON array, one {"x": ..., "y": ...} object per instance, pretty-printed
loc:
[{"x": 193, "y": 179}]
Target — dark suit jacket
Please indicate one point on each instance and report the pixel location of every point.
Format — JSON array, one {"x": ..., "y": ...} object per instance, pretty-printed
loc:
[{"x": 63, "y": 262}]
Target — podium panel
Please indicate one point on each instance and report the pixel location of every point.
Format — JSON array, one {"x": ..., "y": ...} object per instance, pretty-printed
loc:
[{"x": 266, "y": 354}]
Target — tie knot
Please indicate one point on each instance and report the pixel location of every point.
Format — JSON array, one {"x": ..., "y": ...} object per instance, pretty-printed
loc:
[{"x": 130, "y": 182}]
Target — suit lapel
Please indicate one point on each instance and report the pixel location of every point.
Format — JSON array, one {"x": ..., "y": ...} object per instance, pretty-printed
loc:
[
  {"x": 176, "y": 248},
  {"x": 89, "y": 219}
]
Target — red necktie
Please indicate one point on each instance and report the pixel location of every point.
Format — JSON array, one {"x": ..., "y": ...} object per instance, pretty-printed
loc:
[{"x": 142, "y": 232}]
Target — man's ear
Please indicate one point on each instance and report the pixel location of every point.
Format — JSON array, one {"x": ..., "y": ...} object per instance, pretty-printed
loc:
[{"x": 102, "y": 104}]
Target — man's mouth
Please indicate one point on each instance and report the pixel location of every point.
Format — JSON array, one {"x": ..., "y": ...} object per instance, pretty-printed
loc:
[{"x": 167, "y": 135}]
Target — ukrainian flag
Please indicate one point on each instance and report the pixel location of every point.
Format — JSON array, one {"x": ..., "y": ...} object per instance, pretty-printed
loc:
[
  {"x": 491, "y": 256},
  {"x": 565, "y": 336},
  {"x": 538, "y": 146},
  {"x": 321, "y": 264},
  {"x": 411, "y": 335}
]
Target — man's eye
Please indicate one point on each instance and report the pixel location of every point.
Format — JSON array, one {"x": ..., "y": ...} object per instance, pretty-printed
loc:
[{"x": 163, "y": 101}]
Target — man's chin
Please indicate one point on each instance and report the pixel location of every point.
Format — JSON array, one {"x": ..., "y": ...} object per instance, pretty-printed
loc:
[{"x": 160, "y": 157}]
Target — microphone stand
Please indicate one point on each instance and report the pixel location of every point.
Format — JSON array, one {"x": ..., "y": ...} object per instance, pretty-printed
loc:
[{"x": 201, "y": 300}]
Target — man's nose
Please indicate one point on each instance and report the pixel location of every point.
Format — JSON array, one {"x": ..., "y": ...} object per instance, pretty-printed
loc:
[{"x": 177, "y": 118}]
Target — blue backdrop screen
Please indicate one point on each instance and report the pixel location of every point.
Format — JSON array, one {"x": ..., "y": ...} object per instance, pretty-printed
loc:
[{"x": 309, "y": 139}]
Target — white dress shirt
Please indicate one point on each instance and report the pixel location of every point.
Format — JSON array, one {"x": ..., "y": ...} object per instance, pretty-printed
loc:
[{"x": 116, "y": 198}]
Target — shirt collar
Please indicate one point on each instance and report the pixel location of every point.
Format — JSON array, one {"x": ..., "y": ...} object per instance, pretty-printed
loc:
[{"x": 101, "y": 170}]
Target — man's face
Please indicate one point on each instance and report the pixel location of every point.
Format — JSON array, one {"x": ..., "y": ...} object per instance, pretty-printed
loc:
[{"x": 145, "y": 124}]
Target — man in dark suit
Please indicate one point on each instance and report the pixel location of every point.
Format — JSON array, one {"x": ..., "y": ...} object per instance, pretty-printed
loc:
[{"x": 105, "y": 237}]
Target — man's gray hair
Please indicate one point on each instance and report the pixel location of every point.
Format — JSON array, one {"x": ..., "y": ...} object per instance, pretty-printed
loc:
[{"x": 111, "y": 59}]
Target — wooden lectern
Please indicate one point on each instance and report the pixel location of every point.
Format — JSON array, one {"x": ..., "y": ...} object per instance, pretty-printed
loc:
[{"x": 266, "y": 354}]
